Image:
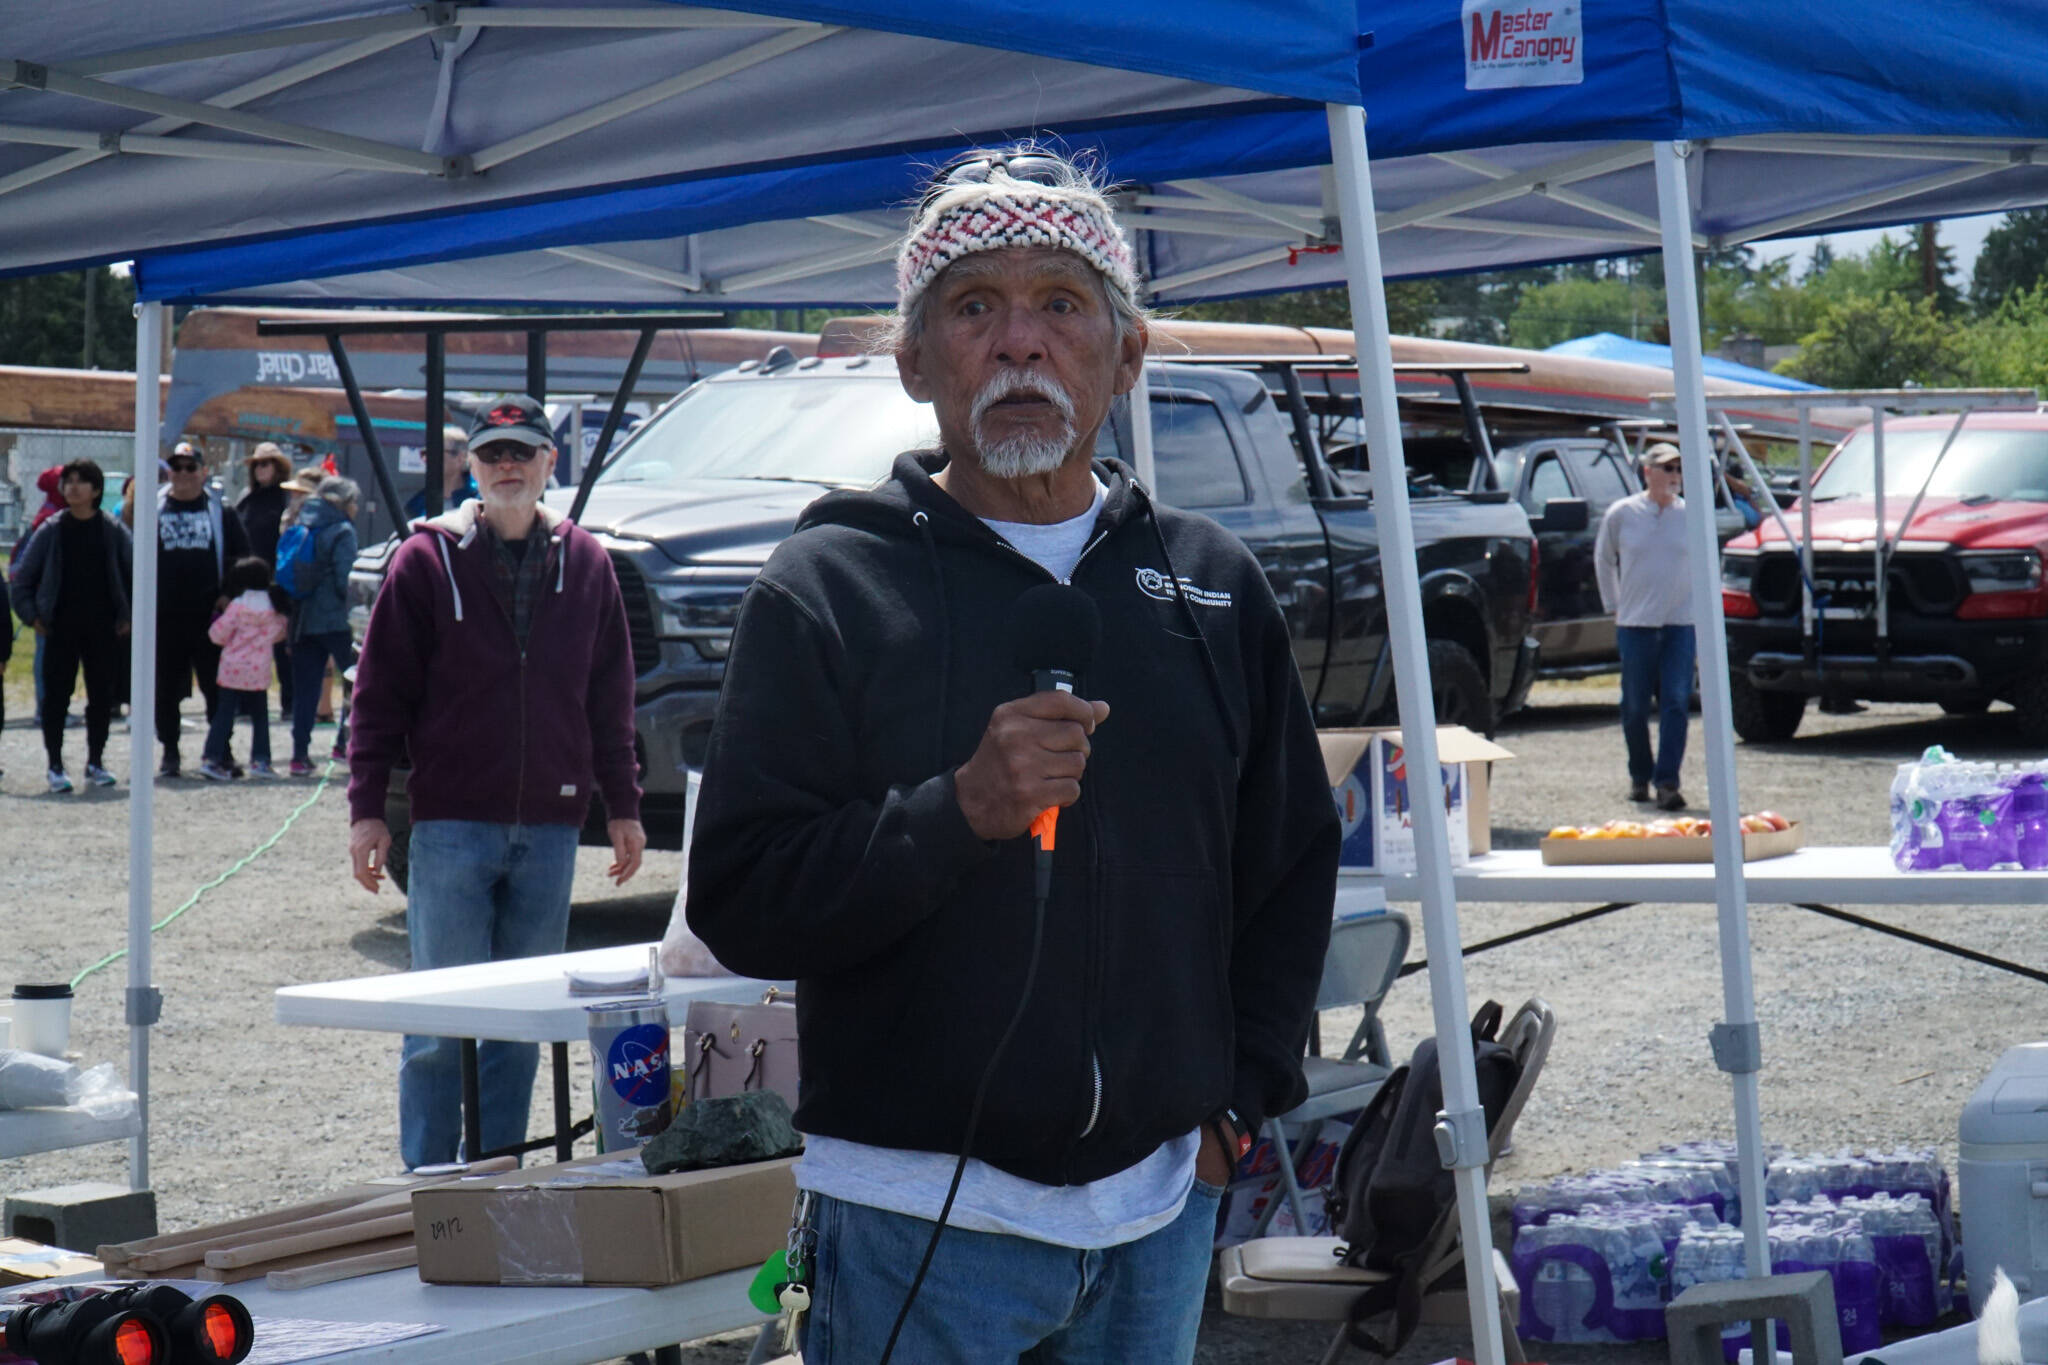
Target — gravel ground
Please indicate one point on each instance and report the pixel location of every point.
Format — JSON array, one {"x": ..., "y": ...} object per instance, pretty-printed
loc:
[{"x": 1867, "y": 1039}]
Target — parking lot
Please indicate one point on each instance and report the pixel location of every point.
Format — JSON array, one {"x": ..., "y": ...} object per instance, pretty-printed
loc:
[{"x": 1867, "y": 1039}]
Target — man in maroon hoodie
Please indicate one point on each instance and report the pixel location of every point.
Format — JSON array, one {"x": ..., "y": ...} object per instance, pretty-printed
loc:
[{"x": 497, "y": 655}]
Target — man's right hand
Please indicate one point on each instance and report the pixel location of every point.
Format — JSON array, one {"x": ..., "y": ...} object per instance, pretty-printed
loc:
[
  {"x": 1031, "y": 757},
  {"x": 369, "y": 843}
]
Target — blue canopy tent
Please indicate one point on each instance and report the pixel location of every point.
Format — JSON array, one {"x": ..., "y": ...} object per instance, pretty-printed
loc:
[
  {"x": 1608, "y": 346},
  {"x": 1600, "y": 132},
  {"x": 310, "y": 110}
]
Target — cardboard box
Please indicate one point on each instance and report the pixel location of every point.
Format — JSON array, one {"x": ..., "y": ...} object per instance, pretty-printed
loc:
[
  {"x": 1368, "y": 779},
  {"x": 602, "y": 1220},
  {"x": 25, "y": 1262},
  {"x": 1674, "y": 849}
]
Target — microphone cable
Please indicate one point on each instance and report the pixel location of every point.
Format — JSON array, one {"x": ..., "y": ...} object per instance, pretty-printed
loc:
[{"x": 1042, "y": 890}]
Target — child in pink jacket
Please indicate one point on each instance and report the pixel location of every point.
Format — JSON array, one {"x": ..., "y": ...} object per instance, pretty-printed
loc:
[{"x": 254, "y": 621}]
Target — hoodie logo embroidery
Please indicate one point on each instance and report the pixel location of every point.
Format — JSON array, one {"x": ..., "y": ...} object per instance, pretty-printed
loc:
[{"x": 1158, "y": 586}]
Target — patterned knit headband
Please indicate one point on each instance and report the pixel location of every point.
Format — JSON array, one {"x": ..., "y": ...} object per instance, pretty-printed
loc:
[{"x": 1018, "y": 214}]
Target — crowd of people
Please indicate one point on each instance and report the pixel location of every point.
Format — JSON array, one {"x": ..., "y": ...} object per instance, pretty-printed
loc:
[{"x": 247, "y": 593}]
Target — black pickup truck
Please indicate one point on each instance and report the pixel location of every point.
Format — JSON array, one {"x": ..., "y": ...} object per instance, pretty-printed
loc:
[{"x": 693, "y": 503}]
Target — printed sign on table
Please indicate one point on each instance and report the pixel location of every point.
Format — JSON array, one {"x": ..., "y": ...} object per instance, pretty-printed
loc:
[{"x": 1511, "y": 43}]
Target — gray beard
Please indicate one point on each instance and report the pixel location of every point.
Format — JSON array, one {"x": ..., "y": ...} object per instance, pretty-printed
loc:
[{"x": 1024, "y": 455}]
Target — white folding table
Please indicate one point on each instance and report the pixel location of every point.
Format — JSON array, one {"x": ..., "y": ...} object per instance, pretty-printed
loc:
[
  {"x": 1819, "y": 880},
  {"x": 508, "y": 1325},
  {"x": 520, "y": 1000}
]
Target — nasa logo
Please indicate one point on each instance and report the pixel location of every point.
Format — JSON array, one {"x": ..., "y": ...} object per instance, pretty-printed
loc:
[{"x": 636, "y": 1064}]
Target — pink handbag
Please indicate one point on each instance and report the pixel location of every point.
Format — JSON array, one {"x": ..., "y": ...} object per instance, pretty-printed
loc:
[{"x": 728, "y": 1049}]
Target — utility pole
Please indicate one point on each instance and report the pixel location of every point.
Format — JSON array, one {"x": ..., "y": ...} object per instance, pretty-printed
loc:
[{"x": 1930, "y": 262}]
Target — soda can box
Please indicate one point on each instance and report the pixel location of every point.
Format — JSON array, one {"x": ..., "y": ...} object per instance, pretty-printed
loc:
[
  {"x": 1375, "y": 792},
  {"x": 629, "y": 1059}
]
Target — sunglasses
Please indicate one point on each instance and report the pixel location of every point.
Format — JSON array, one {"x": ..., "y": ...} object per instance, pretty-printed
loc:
[
  {"x": 498, "y": 452},
  {"x": 978, "y": 168},
  {"x": 183, "y": 466}
]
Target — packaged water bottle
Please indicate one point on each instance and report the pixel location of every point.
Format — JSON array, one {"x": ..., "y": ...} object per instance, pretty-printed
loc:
[
  {"x": 1905, "y": 830},
  {"x": 2030, "y": 817}
]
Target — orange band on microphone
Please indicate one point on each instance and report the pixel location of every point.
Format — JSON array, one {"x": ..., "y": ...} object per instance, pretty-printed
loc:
[{"x": 1043, "y": 825}]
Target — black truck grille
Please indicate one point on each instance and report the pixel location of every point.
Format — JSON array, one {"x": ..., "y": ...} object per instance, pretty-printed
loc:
[
  {"x": 639, "y": 614},
  {"x": 1928, "y": 584}
]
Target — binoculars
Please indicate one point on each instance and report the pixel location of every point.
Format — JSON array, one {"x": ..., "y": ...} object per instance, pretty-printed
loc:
[{"x": 144, "y": 1324}]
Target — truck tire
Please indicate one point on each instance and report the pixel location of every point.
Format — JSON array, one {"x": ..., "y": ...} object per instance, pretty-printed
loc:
[
  {"x": 1764, "y": 717},
  {"x": 1457, "y": 684}
]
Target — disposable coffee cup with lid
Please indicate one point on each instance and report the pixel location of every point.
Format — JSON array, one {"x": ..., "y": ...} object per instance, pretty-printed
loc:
[{"x": 42, "y": 1018}]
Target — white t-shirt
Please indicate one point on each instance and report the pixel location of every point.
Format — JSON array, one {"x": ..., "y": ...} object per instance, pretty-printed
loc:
[{"x": 1133, "y": 1203}]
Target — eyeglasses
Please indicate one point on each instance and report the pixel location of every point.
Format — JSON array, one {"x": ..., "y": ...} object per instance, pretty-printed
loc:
[
  {"x": 976, "y": 168},
  {"x": 498, "y": 452},
  {"x": 183, "y": 466}
]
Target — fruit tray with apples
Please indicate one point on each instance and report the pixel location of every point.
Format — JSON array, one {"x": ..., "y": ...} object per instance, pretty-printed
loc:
[{"x": 1681, "y": 839}]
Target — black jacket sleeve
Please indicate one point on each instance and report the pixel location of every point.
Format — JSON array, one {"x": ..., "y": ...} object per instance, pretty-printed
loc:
[
  {"x": 27, "y": 574},
  {"x": 795, "y": 869},
  {"x": 1285, "y": 868}
]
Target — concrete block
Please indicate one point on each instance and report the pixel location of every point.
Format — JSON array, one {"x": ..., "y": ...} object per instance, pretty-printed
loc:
[
  {"x": 1805, "y": 1303},
  {"x": 82, "y": 1217}
]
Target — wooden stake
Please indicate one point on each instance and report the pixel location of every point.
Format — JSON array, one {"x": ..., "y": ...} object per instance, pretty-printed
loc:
[
  {"x": 398, "y": 1258},
  {"x": 321, "y": 1239},
  {"x": 311, "y": 1258}
]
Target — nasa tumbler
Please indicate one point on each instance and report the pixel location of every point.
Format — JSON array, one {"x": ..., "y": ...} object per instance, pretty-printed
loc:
[{"x": 629, "y": 1054}]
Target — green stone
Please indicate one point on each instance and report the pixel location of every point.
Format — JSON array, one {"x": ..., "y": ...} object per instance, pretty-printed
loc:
[{"x": 730, "y": 1130}]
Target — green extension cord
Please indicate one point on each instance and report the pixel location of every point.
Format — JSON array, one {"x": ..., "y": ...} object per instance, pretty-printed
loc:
[{"x": 251, "y": 856}]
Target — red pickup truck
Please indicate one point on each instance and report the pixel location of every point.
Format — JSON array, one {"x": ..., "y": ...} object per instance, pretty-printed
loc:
[{"x": 1960, "y": 614}]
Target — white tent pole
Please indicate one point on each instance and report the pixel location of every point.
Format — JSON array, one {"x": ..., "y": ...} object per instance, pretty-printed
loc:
[
  {"x": 141, "y": 1000},
  {"x": 1141, "y": 430},
  {"x": 1736, "y": 1042},
  {"x": 1461, "y": 1128}
]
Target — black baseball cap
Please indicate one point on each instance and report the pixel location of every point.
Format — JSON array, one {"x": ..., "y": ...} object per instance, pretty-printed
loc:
[{"x": 511, "y": 417}]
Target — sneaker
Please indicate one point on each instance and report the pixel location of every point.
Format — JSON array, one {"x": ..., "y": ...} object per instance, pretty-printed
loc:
[
  {"x": 215, "y": 772},
  {"x": 98, "y": 775},
  {"x": 302, "y": 767},
  {"x": 258, "y": 768},
  {"x": 1670, "y": 798},
  {"x": 170, "y": 767},
  {"x": 58, "y": 781},
  {"x": 1639, "y": 792}
]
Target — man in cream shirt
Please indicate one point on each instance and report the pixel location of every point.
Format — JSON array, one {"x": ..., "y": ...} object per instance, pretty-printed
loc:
[{"x": 1640, "y": 559}]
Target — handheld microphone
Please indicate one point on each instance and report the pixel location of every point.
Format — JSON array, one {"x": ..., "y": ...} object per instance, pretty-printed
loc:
[{"x": 1054, "y": 629}]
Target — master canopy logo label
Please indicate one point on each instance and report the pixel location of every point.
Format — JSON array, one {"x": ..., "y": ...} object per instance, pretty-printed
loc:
[{"x": 1510, "y": 44}]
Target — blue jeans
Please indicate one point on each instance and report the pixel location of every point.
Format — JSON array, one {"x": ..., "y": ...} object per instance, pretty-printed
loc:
[
  {"x": 221, "y": 733},
  {"x": 1656, "y": 665},
  {"x": 993, "y": 1298},
  {"x": 479, "y": 893},
  {"x": 310, "y": 654}
]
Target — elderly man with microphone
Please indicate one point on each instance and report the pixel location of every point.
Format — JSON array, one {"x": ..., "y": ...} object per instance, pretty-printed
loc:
[{"x": 1012, "y": 771}]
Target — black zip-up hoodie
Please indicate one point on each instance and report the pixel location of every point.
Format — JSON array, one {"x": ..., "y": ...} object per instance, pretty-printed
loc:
[{"x": 1192, "y": 882}]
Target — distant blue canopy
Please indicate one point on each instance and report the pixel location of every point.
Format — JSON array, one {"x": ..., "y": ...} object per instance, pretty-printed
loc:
[
  {"x": 1491, "y": 149},
  {"x": 1608, "y": 346}
]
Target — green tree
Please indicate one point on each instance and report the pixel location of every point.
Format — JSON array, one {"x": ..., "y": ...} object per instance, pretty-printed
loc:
[
  {"x": 2009, "y": 349},
  {"x": 2014, "y": 258},
  {"x": 1411, "y": 308},
  {"x": 42, "y": 320},
  {"x": 1886, "y": 342},
  {"x": 1567, "y": 308}
]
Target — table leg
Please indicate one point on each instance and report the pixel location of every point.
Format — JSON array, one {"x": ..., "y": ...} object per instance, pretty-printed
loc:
[
  {"x": 565, "y": 1136},
  {"x": 472, "y": 1113}
]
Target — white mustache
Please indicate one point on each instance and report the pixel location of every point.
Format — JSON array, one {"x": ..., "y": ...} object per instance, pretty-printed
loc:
[{"x": 1010, "y": 383}]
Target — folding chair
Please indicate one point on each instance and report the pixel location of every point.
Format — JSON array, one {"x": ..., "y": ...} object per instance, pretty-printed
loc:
[
  {"x": 1305, "y": 1278},
  {"x": 1364, "y": 958}
]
